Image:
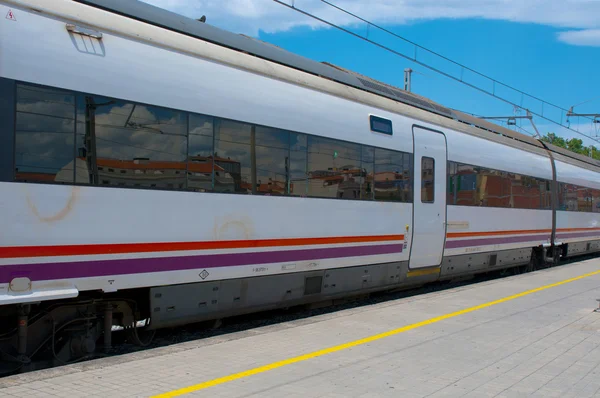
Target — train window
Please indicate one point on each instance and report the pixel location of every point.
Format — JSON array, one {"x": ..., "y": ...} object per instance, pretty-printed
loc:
[
  {"x": 480, "y": 186},
  {"x": 427, "y": 180},
  {"x": 463, "y": 184},
  {"x": 298, "y": 164},
  {"x": 381, "y": 125},
  {"x": 145, "y": 142},
  {"x": 367, "y": 168},
  {"x": 65, "y": 137},
  {"x": 333, "y": 168},
  {"x": 392, "y": 178},
  {"x": 272, "y": 152},
  {"x": 577, "y": 198},
  {"x": 233, "y": 156},
  {"x": 200, "y": 154},
  {"x": 45, "y": 132}
]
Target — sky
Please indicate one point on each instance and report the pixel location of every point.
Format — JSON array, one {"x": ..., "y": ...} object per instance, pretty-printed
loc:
[{"x": 549, "y": 49}]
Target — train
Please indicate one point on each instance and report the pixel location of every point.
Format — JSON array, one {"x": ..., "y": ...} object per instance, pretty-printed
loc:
[{"x": 157, "y": 171}]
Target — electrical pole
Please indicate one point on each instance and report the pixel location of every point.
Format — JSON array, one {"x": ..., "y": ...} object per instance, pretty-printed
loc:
[{"x": 407, "y": 79}]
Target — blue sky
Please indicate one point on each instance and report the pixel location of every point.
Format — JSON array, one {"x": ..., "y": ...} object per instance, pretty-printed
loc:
[{"x": 547, "y": 48}]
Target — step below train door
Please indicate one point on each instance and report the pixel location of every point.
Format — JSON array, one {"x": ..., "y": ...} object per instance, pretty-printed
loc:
[{"x": 429, "y": 207}]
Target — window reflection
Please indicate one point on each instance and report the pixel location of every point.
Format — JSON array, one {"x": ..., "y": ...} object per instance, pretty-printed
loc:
[
  {"x": 232, "y": 154},
  {"x": 479, "y": 186},
  {"x": 392, "y": 176},
  {"x": 427, "y": 180},
  {"x": 44, "y": 140},
  {"x": 272, "y": 161},
  {"x": 298, "y": 164},
  {"x": 88, "y": 139},
  {"x": 576, "y": 198},
  {"x": 367, "y": 165},
  {"x": 200, "y": 158},
  {"x": 131, "y": 145},
  {"x": 334, "y": 169}
]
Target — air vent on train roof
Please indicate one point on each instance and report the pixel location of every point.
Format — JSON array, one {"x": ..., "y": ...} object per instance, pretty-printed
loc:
[
  {"x": 375, "y": 86},
  {"x": 396, "y": 93}
]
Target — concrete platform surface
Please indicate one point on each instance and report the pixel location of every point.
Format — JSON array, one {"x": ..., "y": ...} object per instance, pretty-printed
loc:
[{"x": 528, "y": 335}]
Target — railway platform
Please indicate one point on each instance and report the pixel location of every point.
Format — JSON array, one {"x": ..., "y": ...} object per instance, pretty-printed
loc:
[{"x": 534, "y": 334}]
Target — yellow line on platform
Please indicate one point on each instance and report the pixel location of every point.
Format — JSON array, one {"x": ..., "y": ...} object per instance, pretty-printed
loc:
[{"x": 341, "y": 347}]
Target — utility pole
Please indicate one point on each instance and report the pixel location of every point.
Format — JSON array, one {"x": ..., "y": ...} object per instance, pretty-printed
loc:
[
  {"x": 596, "y": 117},
  {"x": 407, "y": 79}
]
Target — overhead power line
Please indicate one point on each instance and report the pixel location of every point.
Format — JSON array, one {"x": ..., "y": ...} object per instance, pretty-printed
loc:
[{"x": 414, "y": 58}]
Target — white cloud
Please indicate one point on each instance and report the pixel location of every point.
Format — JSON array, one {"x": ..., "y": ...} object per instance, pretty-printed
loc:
[
  {"x": 252, "y": 16},
  {"x": 586, "y": 37}
]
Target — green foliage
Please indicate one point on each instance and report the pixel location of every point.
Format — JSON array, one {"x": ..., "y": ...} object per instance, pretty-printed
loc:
[{"x": 573, "y": 145}]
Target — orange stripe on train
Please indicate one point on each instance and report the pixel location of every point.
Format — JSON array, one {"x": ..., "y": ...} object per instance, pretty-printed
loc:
[{"x": 122, "y": 248}]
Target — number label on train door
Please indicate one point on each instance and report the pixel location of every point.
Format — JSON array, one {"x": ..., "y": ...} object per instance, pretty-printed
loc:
[{"x": 429, "y": 207}]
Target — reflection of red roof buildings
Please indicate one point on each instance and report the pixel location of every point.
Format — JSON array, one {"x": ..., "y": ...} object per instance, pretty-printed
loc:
[
  {"x": 272, "y": 187},
  {"x": 196, "y": 164},
  {"x": 390, "y": 176},
  {"x": 33, "y": 176},
  {"x": 498, "y": 191},
  {"x": 584, "y": 199}
]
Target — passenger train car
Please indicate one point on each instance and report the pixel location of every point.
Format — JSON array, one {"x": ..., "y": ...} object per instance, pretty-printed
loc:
[{"x": 155, "y": 167}]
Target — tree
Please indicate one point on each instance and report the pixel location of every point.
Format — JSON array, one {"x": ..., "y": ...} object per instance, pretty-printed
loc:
[
  {"x": 573, "y": 145},
  {"x": 555, "y": 140},
  {"x": 576, "y": 145}
]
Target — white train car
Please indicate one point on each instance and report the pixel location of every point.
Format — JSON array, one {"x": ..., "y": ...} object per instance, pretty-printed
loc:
[{"x": 154, "y": 167}]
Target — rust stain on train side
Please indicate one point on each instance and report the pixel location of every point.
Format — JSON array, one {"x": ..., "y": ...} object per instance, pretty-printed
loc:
[
  {"x": 59, "y": 215},
  {"x": 233, "y": 227}
]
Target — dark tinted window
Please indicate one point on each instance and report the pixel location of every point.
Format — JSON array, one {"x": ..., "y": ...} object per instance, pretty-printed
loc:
[
  {"x": 45, "y": 132},
  {"x": 479, "y": 186},
  {"x": 381, "y": 125},
  {"x": 427, "y": 180}
]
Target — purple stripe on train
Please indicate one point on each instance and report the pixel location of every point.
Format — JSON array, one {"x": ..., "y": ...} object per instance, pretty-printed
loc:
[
  {"x": 453, "y": 244},
  {"x": 86, "y": 269}
]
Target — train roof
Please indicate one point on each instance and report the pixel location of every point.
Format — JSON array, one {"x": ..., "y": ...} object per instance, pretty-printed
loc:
[{"x": 165, "y": 19}]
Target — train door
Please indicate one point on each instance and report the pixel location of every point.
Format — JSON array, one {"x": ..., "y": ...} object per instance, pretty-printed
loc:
[{"x": 429, "y": 207}]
